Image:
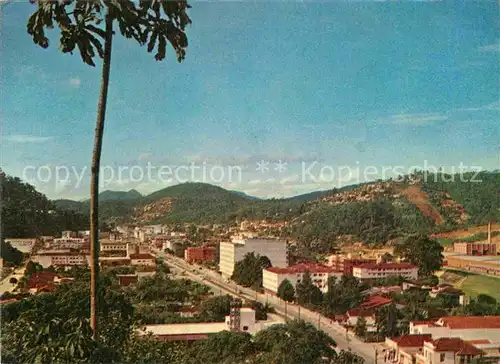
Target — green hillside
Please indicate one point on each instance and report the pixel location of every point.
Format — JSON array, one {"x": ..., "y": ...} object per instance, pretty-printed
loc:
[
  {"x": 27, "y": 213},
  {"x": 478, "y": 193}
]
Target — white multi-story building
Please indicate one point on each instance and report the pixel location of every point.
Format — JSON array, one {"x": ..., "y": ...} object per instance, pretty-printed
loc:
[
  {"x": 234, "y": 251},
  {"x": 369, "y": 271},
  {"x": 69, "y": 243},
  {"x": 143, "y": 259},
  {"x": 24, "y": 245},
  {"x": 272, "y": 277},
  {"x": 109, "y": 247},
  {"x": 47, "y": 259}
]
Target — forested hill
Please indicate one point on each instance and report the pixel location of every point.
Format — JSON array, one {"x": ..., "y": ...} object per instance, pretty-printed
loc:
[
  {"x": 28, "y": 213},
  {"x": 371, "y": 212}
]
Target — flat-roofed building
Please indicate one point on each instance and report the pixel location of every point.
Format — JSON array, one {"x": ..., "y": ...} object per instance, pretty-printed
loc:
[
  {"x": 272, "y": 277},
  {"x": 475, "y": 248},
  {"x": 47, "y": 259},
  {"x": 232, "y": 252},
  {"x": 369, "y": 271},
  {"x": 202, "y": 254},
  {"x": 200, "y": 331},
  {"x": 488, "y": 265}
]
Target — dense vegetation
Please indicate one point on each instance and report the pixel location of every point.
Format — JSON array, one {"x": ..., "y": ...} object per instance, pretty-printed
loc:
[
  {"x": 28, "y": 213},
  {"x": 478, "y": 193},
  {"x": 53, "y": 328}
]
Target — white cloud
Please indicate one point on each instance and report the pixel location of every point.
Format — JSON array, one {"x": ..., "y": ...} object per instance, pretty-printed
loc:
[
  {"x": 22, "y": 138},
  {"x": 289, "y": 179},
  {"x": 416, "y": 119},
  {"x": 495, "y": 47},
  {"x": 75, "y": 82},
  {"x": 255, "y": 182}
]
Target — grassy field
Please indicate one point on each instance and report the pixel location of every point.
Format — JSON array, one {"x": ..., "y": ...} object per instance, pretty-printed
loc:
[
  {"x": 445, "y": 242},
  {"x": 474, "y": 284}
]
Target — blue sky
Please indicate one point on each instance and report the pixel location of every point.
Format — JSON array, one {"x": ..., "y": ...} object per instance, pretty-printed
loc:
[{"x": 319, "y": 86}]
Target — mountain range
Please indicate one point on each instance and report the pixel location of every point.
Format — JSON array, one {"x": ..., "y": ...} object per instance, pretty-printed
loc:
[{"x": 373, "y": 212}]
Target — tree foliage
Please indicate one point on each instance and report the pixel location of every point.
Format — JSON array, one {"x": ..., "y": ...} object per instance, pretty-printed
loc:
[
  {"x": 248, "y": 272},
  {"x": 423, "y": 252},
  {"x": 27, "y": 213},
  {"x": 307, "y": 292},
  {"x": 286, "y": 291},
  {"x": 295, "y": 342}
]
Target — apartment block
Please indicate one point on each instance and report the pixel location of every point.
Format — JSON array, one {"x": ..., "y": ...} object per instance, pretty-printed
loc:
[
  {"x": 370, "y": 271},
  {"x": 234, "y": 251}
]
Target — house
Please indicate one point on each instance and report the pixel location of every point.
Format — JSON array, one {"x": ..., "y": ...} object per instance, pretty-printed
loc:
[
  {"x": 423, "y": 349},
  {"x": 142, "y": 259},
  {"x": 272, "y": 277},
  {"x": 127, "y": 279},
  {"x": 45, "y": 282},
  {"x": 402, "y": 350},
  {"x": 352, "y": 316},
  {"x": 373, "y": 302},
  {"x": 369, "y": 271},
  {"x": 466, "y": 327},
  {"x": 448, "y": 350}
]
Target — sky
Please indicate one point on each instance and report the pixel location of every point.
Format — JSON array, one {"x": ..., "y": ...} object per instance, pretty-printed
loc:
[{"x": 274, "y": 99}]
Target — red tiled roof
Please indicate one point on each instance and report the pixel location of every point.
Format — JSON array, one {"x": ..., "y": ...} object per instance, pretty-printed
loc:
[
  {"x": 428, "y": 322},
  {"x": 455, "y": 345},
  {"x": 360, "y": 313},
  {"x": 471, "y": 322},
  {"x": 412, "y": 340},
  {"x": 375, "y": 301},
  {"x": 302, "y": 268},
  {"x": 142, "y": 256},
  {"x": 478, "y": 342},
  {"x": 386, "y": 266}
]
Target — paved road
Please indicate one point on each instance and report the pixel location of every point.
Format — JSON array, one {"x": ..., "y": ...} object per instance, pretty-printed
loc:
[
  {"x": 5, "y": 285},
  {"x": 344, "y": 340}
]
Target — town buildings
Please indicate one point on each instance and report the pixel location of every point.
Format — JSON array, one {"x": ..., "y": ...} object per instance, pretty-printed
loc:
[
  {"x": 369, "y": 271},
  {"x": 272, "y": 277},
  {"x": 142, "y": 259},
  {"x": 62, "y": 259},
  {"x": 114, "y": 247},
  {"x": 69, "y": 243},
  {"x": 234, "y": 251},
  {"x": 423, "y": 349},
  {"x": 204, "y": 254},
  {"x": 345, "y": 264},
  {"x": 475, "y": 248}
]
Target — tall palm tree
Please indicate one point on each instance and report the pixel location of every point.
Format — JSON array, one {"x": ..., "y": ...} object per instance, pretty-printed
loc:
[{"x": 152, "y": 22}]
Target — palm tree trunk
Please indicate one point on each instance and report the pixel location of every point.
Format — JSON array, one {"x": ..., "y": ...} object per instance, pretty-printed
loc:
[{"x": 94, "y": 182}]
